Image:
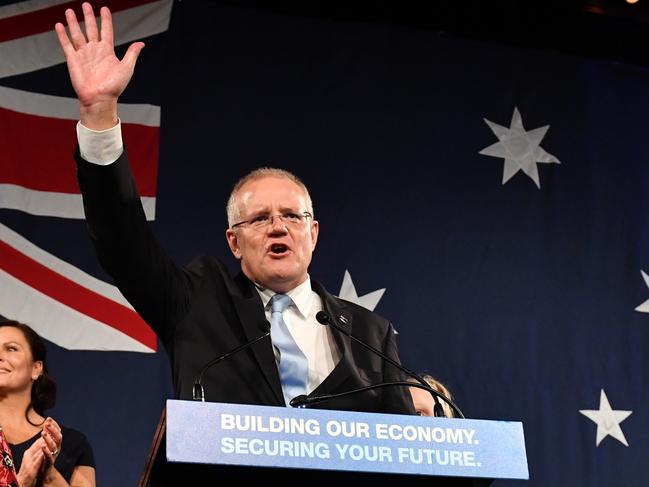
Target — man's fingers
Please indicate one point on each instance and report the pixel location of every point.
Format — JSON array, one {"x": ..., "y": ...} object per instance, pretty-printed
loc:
[
  {"x": 132, "y": 53},
  {"x": 91, "y": 23},
  {"x": 78, "y": 39},
  {"x": 106, "y": 26},
  {"x": 66, "y": 45}
]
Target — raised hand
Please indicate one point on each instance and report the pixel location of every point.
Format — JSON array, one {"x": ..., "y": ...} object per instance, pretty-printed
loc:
[{"x": 97, "y": 75}]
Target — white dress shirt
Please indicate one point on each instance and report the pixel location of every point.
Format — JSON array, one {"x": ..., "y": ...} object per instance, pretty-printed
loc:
[{"x": 314, "y": 339}]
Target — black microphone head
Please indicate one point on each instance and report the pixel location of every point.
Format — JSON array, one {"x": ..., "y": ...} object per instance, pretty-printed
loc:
[
  {"x": 298, "y": 401},
  {"x": 264, "y": 326},
  {"x": 323, "y": 317}
]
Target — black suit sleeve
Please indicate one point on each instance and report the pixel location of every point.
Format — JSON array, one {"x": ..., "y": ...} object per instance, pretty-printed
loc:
[{"x": 127, "y": 249}]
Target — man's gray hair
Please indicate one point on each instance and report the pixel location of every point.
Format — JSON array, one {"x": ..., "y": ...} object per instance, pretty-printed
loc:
[{"x": 260, "y": 173}]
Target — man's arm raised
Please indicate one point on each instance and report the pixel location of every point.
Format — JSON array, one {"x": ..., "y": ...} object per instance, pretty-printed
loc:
[
  {"x": 127, "y": 248},
  {"x": 98, "y": 76}
]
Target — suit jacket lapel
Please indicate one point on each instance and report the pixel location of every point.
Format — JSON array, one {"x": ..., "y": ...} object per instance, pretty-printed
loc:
[
  {"x": 253, "y": 320},
  {"x": 337, "y": 311},
  {"x": 250, "y": 310}
]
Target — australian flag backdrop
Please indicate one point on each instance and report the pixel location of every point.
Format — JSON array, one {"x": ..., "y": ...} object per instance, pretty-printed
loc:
[{"x": 491, "y": 201}]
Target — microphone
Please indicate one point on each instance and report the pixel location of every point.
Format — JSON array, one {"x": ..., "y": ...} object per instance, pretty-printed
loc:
[
  {"x": 303, "y": 401},
  {"x": 198, "y": 394}
]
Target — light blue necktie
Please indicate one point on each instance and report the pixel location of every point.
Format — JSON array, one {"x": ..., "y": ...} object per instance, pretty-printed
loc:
[{"x": 293, "y": 366}]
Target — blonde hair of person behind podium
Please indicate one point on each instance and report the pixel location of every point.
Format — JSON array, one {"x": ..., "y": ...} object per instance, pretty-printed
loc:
[{"x": 423, "y": 401}]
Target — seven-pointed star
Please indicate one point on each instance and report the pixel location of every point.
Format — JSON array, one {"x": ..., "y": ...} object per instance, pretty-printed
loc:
[
  {"x": 608, "y": 420},
  {"x": 644, "y": 307},
  {"x": 520, "y": 149},
  {"x": 348, "y": 292}
]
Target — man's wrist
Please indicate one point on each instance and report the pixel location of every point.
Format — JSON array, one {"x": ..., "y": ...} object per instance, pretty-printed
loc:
[{"x": 99, "y": 116}]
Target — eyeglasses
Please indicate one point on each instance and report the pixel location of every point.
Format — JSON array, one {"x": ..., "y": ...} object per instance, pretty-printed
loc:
[{"x": 262, "y": 221}]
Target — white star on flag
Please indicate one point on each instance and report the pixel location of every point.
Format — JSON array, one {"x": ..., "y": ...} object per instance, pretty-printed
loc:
[
  {"x": 520, "y": 149},
  {"x": 348, "y": 292},
  {"x": 608, "y": 420},
  {"x": 644, "y": 307}
]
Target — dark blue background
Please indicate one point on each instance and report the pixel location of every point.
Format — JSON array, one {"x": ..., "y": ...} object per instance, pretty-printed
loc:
[{"x": 520, "y": 299}]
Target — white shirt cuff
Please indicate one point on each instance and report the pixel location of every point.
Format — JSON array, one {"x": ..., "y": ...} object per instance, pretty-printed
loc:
[{"x": 100, "y": 147}]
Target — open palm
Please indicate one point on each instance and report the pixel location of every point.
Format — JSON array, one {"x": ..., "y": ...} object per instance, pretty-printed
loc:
[{"x": 97, "y": 75}]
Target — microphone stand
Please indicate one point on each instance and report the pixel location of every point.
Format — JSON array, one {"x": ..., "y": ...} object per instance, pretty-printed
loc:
[
  {"x": 198, "y": 394},
  {"x": 324, "y": 319}
]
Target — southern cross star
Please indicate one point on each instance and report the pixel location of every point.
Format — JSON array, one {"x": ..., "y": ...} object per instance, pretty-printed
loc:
[
  {"x": 644, "y": 307},
  {"x": 608, "y": 420},
  {"x": 520, "y": 149},
  {"x": 348, "y": 292}
]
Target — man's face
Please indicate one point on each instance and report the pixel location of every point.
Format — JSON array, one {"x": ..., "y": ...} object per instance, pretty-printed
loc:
[{"x": 276, "y": 256}]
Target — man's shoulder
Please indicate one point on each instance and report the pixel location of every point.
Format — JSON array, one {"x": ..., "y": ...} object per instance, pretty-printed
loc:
[
  {"x": 202, "y": 263},
  {"x": 363, "y": 313},
  {"x": 204, "y": 269}
]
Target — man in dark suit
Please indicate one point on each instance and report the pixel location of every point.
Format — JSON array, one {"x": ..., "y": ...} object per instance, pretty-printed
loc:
[{"x": 200, "y": 311}]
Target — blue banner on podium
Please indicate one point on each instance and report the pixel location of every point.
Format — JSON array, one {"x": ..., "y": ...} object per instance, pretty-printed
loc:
[{"x": 236, "y": 434}]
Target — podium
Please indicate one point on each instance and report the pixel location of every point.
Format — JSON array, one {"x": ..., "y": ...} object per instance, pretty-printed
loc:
[{"x": 208, "y": 442}]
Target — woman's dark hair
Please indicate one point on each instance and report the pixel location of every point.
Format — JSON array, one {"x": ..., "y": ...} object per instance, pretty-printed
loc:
[{"x": 44, "y": 388}]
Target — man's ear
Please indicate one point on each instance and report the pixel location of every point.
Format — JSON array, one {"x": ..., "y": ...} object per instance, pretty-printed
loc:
[
  {"x": 315, "y": 230},
  {"x": 233, "y": 243}
]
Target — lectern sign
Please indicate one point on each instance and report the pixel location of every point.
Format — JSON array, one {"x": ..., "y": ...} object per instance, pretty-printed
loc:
[{"x": 235, "y": 434}]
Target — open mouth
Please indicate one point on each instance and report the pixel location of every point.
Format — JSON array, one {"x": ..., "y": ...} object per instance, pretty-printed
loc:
[{"x": 278, "y": 249}]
